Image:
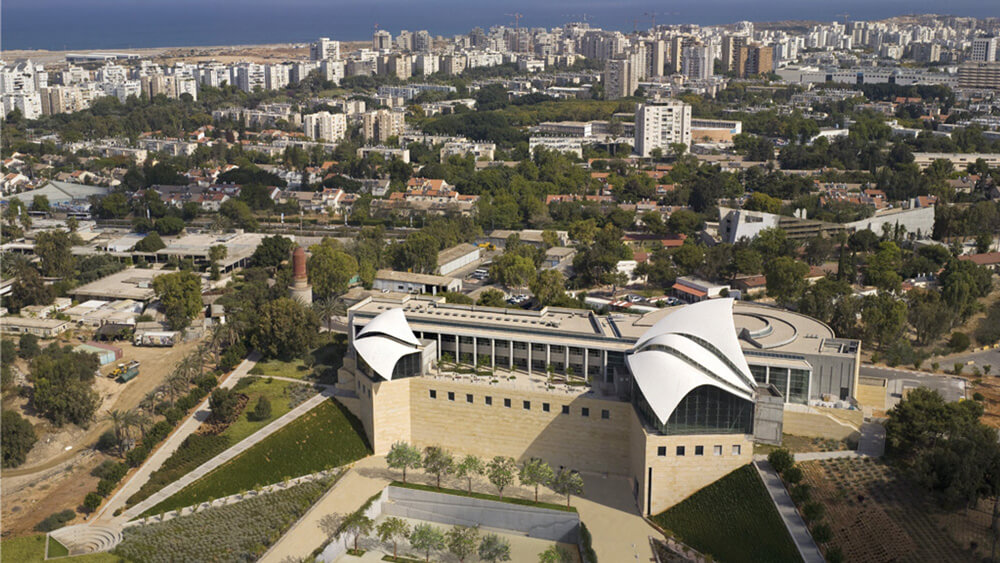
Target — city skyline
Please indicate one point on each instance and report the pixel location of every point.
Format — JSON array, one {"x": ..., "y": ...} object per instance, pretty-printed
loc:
[{"x": 54, "y": 24}]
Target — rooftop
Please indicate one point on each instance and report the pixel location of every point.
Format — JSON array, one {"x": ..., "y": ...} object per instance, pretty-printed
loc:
[
  {"x": 428, "y": 279},
  {"x": 455, "y": 252},
  {"x": 130, "y": 283}
]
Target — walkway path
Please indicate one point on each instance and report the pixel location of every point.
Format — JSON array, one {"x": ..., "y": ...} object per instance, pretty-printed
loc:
[
  {"x": 170, "y": 445},
  {"x": 368, "y": 476},
  {"x": 237, "y": 449},
  {"x": 786, "y": 508}
]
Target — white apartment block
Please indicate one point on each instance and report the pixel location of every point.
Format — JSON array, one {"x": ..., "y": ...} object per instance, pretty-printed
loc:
[
  {"x": 275, "y": 76},
  {"x": 325, "y": 126},
  {"x": 332, "y": 70},
  {"x": 249, "y": 76},
  {"x": 661, "y": 123},
  {"x": 324, "y": 49}
]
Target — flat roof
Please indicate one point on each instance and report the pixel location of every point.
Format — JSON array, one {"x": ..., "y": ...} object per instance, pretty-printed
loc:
[
  {"x": 130, "y": 283},
  {"x": 765, "y": 329},
  {"x": 31, "y": 322},
  {"x": 455, "y": 252},
  {"x": 429, "y": 279}
]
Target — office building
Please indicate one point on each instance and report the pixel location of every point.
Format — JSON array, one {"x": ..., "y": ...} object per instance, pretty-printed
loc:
[
  {"x": 673, "y": 399},
  {"x": 984, "y": 49},
  {"x": 979, "y": 75},
  {"x": 325, "y": 126},
  {"x": 661, "y": 123}
]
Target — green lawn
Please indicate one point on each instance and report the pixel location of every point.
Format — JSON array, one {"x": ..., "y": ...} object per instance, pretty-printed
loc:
[
  {"x": 31, "y": 549},
  {"x": 732, "y": 519},
  {"x": 198, "y": 449},
  {"x": 327, "y": 436},
  {"x": 327, "y": 359},
  {"x": 57, "y": 549}
]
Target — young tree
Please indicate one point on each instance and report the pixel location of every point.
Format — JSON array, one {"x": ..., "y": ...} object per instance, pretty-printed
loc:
[
  {"x": 438, "y": 461},
  {"x": 567, "y": 483},
  {"x": 18, "y": 437},
  {"x": 427, "y": 538},
  {"x": 180, "y": 294},
  {"x": 469, "y": 467},
  {"x": 356, "y": 525},
  {"x": 555, "y": 554},
  {"x": 462, "y": 541},
  {"x": 501, "y": 471},
  {"x": 536, "y": 472},
  {"x": 216, "y": 253},
  {"x": 262, "y": 410},
  {"x": 223, "y": 403},
  {"x": 392, "y": 529},
  {"x": 403, "y": 456},
  {"x": 494, "y": 549}
]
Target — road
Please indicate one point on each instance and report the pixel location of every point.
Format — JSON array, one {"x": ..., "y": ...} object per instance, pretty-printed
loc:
[
  {"x": 951, "y": 388},
  {"x": 979, "y": 359}
]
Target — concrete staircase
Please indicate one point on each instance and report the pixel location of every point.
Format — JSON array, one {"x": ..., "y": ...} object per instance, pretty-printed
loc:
[{"x": 86, "y": 538}]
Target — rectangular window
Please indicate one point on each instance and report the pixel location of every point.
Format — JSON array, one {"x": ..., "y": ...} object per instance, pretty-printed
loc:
[
  {"x": 451, "y": 395},
  {"x": 506, "y": 403},
  {"x": 545, "y": 407},
  {"x": 605, "y": 414},
  {"x": 699, "y": 450},
  {"x": 585, "y": 411},
  {"x": 468, "y": 397},
  {"x": 434, "y": 394},
  {"x": 716, "y": 450},
  {"x": 489, "y": 400},
  {"x": 565, "y": 409},
  {"x": 680, "y": 450},
  {"x": 737, "y": 449},
  {"x": 527, "y": 405},
  {"x": 661, "y": 451}
]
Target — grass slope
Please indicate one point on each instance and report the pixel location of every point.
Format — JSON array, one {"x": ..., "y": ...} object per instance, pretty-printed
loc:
[
  {"x": 327, "y": 436},
  {"x": 326, "y": 359},
  {"x": 31, "y": 549},
  {"x": 732, "y": 519},
  {"x": 57, "y": 549},
  {"x": 197, "y": 449}
]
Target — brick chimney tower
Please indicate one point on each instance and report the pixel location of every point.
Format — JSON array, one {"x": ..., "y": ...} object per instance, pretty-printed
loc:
[{"x": 300, "y": 290}]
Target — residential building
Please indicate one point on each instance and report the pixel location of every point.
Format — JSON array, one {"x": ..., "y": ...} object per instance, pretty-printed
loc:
[
  {"x": 660, "y": 123},
  {"x": 754, "y": 59},
  {"x": 324, "y": 49},
  {"x": 379, "y": 125},
  {"x": 325, "y": 126},
  {"x": 620, "y": 79}
]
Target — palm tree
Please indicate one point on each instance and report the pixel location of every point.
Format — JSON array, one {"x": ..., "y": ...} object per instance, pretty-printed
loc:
[{"x": 119, "y": 423}]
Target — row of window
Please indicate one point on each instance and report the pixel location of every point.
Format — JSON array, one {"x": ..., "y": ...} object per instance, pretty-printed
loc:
[
  {"x": 526, "y": 405},
  {"x": 698, "y": 450}
]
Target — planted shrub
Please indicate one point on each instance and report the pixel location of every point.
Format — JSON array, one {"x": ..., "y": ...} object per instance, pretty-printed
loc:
[
  {"x": 959, "y": 341},
  {"x": 781, "y": 460},
  {"x": 977, "y": 396},
  {"x": 801, "y": 493},
  {"x": 262, "y": 410},
  {"x": 822, "y": 533},
  {"x": 92, "y": 501},
  {"x": 793, "y": 475},
  {"x": 107, "y": 442},
  {"x": 55, "y": 521},
  {"x": 813, "y": 511}
]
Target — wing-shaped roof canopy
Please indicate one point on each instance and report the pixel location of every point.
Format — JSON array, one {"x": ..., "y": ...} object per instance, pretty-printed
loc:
[
  {"x": 694, "y": 346},
  {"x": 384, "y": 340}
]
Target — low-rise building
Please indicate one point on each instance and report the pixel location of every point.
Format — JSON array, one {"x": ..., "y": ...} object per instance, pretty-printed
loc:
[{"x": 408, "y": 282}]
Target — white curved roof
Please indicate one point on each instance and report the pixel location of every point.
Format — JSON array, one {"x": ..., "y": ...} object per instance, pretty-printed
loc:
[
  {"x": 384, "y": 340},
  {"x": 694, "y": 346}
]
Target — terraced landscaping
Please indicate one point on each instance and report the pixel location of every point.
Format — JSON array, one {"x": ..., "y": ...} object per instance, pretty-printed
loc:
[
  {"x": 199, "y": 448},
  {"x": 733, "y": 520},
  {"x": 876, "y": 516},
  {"x": 325, "y": 437},
  {"x": 237, "y": 532},
  {"x": 31, "y": 549}
]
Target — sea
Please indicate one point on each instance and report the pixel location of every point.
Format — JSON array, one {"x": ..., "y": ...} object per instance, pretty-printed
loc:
[{"x": 121, "y": 24}]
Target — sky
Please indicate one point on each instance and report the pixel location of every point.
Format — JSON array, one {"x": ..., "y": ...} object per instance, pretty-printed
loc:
[{"x": 109, "y": 24}]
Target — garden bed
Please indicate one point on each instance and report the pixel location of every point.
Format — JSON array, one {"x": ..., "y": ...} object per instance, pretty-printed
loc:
[
  {"x": 236, "y": 532},
  {"x": 325, "y": 437},
  {"x": 876, "y": 516},
  {"x": 484, "y": 496},
  {"x": 732, "y": 519}
]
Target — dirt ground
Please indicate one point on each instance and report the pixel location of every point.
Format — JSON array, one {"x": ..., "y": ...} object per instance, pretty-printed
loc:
[
  {"x": 876, "y": 517},
  {"x": 221, "y": 53},
  {"x": 56, "y": 475},
  {"x": 989, "y": 387}
]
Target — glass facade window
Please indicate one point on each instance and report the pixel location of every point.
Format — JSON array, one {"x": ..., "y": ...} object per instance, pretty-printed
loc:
[
  {"x": 605, "y": 414},
  {"x": 565, "y": 409},
  {"x": 489, "y": 400},
  {"x": 527, "y": 405},
  {"x": 680, "y": 450},
  {"x": 434, "y": 394},
  {"x": 468, "y": 397},
  {"x": 661, "y": 451},
  {"x": 759, "y": 373},
  {"x": 585, "y": 411},
  {"x": 779, "y": 378},
  {"x": 451, "y": 396},
  {"x": 716, "y": 450},
  {"x": 737, "y": 449},
  {"x": 506, "y": 403},
  {"x": 705, "y": 410},
  {"x": 798, "y": 386},
  {"x": 546, "y": 407},
  {"x": 699, "y": 450}
]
